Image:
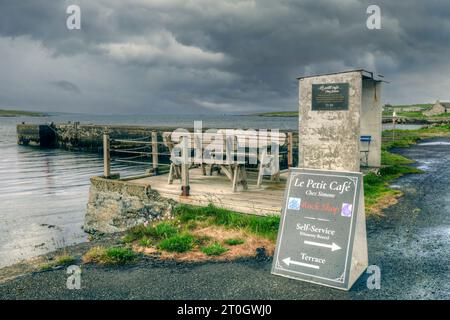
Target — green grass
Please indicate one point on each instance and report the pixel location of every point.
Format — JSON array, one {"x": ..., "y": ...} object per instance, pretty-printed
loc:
[
  {"x": 178, "y": 243},
  {"x": 234, "y": 242},
  {"x": 405, "y": 138},
  {"x": 110, "y": 256},
  {"x": 412, "y": 114},
  {"x": 135, "y": 233},
  {"x": 442, "y": 115},
  {"x": 408, "y": 114},
  {"x": 64, "y": 260},
  {"x": 201, "y": 240},
  {"x": 388, "y": 158},
  {"x": 443, "y": 129},
  {"x": 162, "y": 230},
  {"x": 145, "y": 242},
  {"x": 119, "y": 255},
  {"x": 19, "y": 113},
  {"x": 424, "y": 106},
  {"x": 399, "y": 138},
  {"x": 266, "y": 227},
  {"x": 376, "y": 186},
  {"x": 215, "y": 249}
]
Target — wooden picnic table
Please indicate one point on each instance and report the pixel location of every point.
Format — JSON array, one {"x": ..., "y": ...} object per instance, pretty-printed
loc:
[
  {"x": 234, "y": 169},
  {"x": 232, "y": 163}
]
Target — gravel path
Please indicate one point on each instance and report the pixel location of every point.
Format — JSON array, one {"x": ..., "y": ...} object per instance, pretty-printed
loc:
[{"x": 411, "y": 245}]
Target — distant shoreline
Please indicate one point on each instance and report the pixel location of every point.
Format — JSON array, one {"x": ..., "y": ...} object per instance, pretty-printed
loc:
[
  {"x": 276, "y": 114},
  {"x": 20, "y": 113}
]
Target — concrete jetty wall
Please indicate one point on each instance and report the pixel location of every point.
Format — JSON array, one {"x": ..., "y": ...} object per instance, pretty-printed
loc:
[
  {"x": 35, "y": 134},
  {"x": 75, "y": 136}
]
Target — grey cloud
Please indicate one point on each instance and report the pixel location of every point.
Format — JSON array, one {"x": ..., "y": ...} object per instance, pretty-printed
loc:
[
  {"x": 66, "y": 86},
  {"x": 178, "y": 56}
]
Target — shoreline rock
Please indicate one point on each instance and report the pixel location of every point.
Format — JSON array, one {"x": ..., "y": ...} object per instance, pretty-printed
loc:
[{"x": 116, "y": 206}]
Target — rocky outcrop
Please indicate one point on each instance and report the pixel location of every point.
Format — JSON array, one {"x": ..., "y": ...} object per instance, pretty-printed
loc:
[{"x": 116, "y": 205}]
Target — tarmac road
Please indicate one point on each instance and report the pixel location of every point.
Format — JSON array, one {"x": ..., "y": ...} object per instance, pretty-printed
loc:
[{"x": 411, "y": 245}]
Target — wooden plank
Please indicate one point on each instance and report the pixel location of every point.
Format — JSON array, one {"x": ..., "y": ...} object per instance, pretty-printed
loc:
[
  {"x": 239, "y": 206},
  {"x": 236, "y": 170}
]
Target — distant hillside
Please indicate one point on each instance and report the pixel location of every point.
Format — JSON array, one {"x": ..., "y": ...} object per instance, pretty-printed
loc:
[
  {"x": 398, "y": 108},
  {"x": 19, "y": 113},
  {"x": 277, "y": 114},
  {"x": 420, "y": 105}
]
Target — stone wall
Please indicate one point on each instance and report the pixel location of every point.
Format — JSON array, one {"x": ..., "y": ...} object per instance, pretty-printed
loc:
[
  {"x": 82, "y": 137},
  {"x": 437, "y": 109},
  {"x": 89, "y": 137},
  {"x": 36, "y": 134},
  {"x": 116, "y": 205}
]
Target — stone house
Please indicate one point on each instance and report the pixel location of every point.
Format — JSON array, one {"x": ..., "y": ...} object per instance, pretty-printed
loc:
[{"x": 438, "y": 108}]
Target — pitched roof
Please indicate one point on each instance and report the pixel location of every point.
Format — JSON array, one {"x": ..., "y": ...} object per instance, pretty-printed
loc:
[{"x": 445, "y": 104}]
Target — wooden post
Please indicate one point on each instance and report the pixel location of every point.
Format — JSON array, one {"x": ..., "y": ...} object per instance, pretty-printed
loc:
[
  {"x": 155, "y": 152},
  {"x": 185, "y": 168},
  {"x": 106, "y": 155},
  {"x": 290, "y": 144},
  {"x": 394, "y": 115},
  {"x": 185, "y": 180}
]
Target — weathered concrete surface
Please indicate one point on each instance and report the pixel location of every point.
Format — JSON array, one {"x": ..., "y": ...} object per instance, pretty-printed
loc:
[
  {"x": 371, "y": 118},
  {"x": 36, "y": 134},
  {"x": 116, "y": 206},
  {"x": 90, "y": 137},
  {"x": 330, "y": 139}
]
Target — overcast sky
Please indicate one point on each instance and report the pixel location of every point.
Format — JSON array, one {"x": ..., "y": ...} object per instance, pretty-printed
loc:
[{"x": 172, "y": 56}]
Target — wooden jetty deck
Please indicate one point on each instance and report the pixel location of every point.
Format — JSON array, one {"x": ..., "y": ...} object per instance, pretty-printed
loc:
[{"x": 216, "y": 189}]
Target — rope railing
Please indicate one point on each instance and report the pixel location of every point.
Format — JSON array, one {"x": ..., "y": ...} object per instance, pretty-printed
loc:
[{"x": 153, "y": 153}]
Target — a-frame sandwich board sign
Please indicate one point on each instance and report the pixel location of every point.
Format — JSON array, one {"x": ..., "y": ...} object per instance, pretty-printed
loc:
[{"x": 322, "y": 233}]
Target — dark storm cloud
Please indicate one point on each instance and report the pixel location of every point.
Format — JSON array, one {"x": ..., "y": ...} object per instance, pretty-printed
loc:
[
  {"x": 66, "y": 86},
  {"x": 222, "y": 56}
]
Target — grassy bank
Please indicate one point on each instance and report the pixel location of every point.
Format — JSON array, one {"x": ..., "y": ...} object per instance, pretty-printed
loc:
[
  {"x": 204, "y": 233},
  {"x": 407, "y": 114},
  {"x": 19, "y": 113},
  {"x": 405, "y": 138},
  {"x": 377, "y": 193},
  {"x": 418, "y": 115}
]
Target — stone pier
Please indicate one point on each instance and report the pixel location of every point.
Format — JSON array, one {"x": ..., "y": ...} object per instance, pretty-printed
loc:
[
  {"x": 116, "y": 205},
  {"x": 76, "y": 136}
]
